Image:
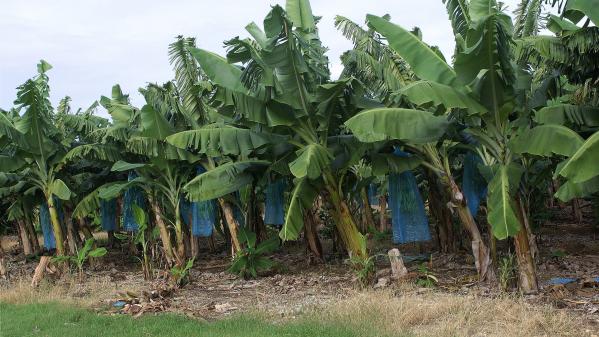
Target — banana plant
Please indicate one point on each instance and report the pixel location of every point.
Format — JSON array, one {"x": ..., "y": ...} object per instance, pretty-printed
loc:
[
  {"x": 34, "y": 148},
  {"x": 82, "y": 255},
  {"x": 382, "y": 68},
  {"x": 484, "y": 82},
  {"x": 283, "y": 89},
  {"x": 162, "y": 169}
]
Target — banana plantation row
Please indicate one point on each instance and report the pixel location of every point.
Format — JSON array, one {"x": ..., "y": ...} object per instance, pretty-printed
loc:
[{"x": 264, "y": 138}]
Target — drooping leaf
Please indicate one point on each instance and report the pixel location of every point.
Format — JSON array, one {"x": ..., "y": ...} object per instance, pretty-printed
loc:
[
  {"x": 424, "y": 62},
  {"x": 576, "y": 9},
  {"x": 154, "y": 124},
  {"x": 89, "y": 204},
  {"x": 94, "y": 152},
  {"x": 113, "y": 190},
  {"x": 222, "y": 180},
  {"x": 7, "y": 129},
  {"x": 311, "y": 161},
  {"x": 558, "y": 25},
  {"x": 584, "y": 163},
  {"x": 547, "y": 140},
  {"x": 302, "y": 198},
  {"x": 415, "y": 126},
  {"x": 121, "y": 166},
  {"x": 426, "y": 92},
  {"x": 501, "y": 215},
  {"x": 383, "y": 164},
  {"x": 563, "y": 113},
  {"x": 60, "y": 189},
  {"x": 219, "y": 70},
  {"x": 215, "y": 140},
  {"x": 11, "y": 163},
  {"x": 570, "y": 190}
]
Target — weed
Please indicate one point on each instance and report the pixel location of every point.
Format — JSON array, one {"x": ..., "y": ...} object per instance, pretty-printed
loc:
[
  {"x": 82, "y": 256},
  {"x": 250, "y": 260},
  {"x": 507, "y": 272},
  {"x": 365, "y": 268},
  {"x": 180, "y": 275},
  {"x": 426, "y": 278}
]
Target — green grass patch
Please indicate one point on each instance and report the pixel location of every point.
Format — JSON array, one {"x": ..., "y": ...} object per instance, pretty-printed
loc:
[{"x": 53, "y": 319}]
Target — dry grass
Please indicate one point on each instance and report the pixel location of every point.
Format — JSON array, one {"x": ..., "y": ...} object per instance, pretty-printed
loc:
[
  {"x": 440, "y": 315},
  {"x": 67, "y": 290},
  {"x": 398, "y": 312}
]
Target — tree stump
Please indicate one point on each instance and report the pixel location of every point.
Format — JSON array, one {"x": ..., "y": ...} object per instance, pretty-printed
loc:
[
  {"x": 398, "y": 269},
  {"x": 2, "y": 265},
  {"x": 38, "y": 275}
]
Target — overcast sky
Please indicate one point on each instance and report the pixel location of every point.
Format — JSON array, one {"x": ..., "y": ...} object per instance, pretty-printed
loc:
[{"x": 94, "y": 44}]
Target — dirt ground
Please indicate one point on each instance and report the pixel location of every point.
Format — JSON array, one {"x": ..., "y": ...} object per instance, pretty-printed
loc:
[{"x": 567, "y": 249}]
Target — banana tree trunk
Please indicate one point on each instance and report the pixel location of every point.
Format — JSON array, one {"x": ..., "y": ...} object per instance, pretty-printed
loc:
[
  {"x": 179, "y": 234},
  {"x": 354, "y": 242},
  {"x": 195, "y": 246},
  {"x": 311, "y": 236},
  {"x": 443, "y": 217},
  {"x": 84, "y": 228},
  {"x": 532, "y": 239},
  {"x": 56, "y": 227},
  {"x": 253, "y": 218},
  {"x": 231, "y": 223},
  {"x": 72, "y": 236},
  {"x": 111, "y": 238},
  {"x": 480, "y": 251},
  {"x": 576, "y": 210},
  {"x": 366, "y": 212},
  {"x": 492, "y": 245},
  {"x": 527, "y": 279},
  {"x": 165, "y": 235},
  {"x": 32, "y": 235},
  {"x": 25, "y": 239},
  {"x": 383, "y": 213}
]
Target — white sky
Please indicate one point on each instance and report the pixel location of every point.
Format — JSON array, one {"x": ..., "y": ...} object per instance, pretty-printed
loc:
[{"x": 94, "y": 44}]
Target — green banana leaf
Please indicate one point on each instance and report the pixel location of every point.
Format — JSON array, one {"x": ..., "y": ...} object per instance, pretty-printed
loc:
[
  {"x": 311, "y": 161},
  {"x": 300, "y": 13},
  {"x": 547, "y": 140},
  {"x": 222, "y": 180},
  {"x": 584, "y": 163},
  {"x": 302, "y": 198},
  {"x": 427, "y": 92},
  {"x": 154, "y": 124},
  {"x": 564, "y": 113},
  {"x": 415, "y": 126},
  {"x": 122, "y": 165},
  {"x": 424, "y": 62},
  {"x": 215, "y": 140},
  {"x": 219, "y": 70},
  {"x": 502, "y": 216},
  {"x": 570, "y": 190}
]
